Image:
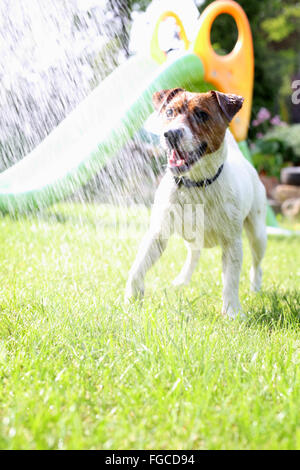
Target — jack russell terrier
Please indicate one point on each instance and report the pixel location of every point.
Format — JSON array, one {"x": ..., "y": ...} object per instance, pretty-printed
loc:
[{"x": 205, "y": 168}]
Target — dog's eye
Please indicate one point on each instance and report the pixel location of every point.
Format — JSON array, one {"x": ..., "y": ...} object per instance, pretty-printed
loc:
[
  {"x": 169, "y": 112},
  {"x": 199, "y": 115}
]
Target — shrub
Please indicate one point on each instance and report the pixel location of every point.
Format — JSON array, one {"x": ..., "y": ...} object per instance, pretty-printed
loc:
[{"x": 279, "y": 147}]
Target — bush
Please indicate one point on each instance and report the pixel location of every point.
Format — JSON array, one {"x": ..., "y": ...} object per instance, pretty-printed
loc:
[{"x": 279, "y": 147}]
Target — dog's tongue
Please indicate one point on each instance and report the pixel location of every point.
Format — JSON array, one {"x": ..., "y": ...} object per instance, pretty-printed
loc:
[{"x": 176, "y": 158}]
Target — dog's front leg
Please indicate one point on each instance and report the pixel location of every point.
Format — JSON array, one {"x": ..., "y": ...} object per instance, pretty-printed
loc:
[
  {"x": 151, "y": 248},
  {"x": 232, "y": 263}
]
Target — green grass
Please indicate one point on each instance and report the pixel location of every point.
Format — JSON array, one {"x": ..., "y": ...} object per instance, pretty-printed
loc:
[{"x": 79, "y": 370}]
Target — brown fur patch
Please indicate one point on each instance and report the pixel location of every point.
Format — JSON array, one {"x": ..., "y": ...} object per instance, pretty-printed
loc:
[
  {"x": 211, "y": 130},
  {"x": 230, "y": 104}
]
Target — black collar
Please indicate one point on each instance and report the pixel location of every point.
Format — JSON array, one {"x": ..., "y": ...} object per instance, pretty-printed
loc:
[{"x": 181, "y": 180}]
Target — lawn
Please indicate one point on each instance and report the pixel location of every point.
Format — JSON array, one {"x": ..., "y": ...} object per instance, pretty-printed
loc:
[{"x": 79, "y": 370}]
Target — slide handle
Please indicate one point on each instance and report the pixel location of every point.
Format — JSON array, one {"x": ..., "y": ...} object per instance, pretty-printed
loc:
[
  {"x": 156, "y": 52},
  {"x": 234, "y": 72}
]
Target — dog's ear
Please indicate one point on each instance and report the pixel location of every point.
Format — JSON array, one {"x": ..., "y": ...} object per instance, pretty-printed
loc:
[
  {"x": 163, "y": 97},
  {"x": 230, "y": 104}
]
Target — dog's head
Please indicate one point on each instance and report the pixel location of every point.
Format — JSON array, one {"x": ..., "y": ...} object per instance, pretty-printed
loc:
[{"x": 193, "y": 124}]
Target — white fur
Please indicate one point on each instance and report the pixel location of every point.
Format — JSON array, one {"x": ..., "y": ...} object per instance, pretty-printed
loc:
[{"x": 236, "y": 199}]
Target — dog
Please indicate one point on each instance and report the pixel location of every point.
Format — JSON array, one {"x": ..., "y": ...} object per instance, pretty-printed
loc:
[{"x": 205, "y": 168}]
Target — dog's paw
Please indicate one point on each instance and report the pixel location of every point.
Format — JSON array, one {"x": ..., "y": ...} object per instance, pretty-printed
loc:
[
  {"x": 180, "y": 281},
  {"x": 233, "y": 312},
  {"x": 133, "y": 291}
]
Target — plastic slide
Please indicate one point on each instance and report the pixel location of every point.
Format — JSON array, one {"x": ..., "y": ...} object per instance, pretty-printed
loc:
[{"x": 87, "y": 138}]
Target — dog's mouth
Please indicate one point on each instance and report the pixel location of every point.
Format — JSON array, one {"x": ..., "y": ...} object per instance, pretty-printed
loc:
[{"x": 180, "y": 160}]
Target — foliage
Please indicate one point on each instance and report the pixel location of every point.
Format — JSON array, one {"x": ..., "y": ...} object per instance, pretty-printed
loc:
[
  {"x": 279, "y": 147},
  {"x": 289, "y": 136},
  {"x": 267, "y": 157},
  {"x": 281, "y": 27}
]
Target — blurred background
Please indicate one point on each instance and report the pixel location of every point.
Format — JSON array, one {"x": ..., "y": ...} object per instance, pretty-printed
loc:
[{"x": 52, "y": 54}]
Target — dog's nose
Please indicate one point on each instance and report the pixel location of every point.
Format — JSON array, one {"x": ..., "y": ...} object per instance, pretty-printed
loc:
[{"x": 173, "y": 136}]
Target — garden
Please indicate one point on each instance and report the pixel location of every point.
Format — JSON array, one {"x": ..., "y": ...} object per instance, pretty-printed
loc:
[{"x": 80, "y": 368}]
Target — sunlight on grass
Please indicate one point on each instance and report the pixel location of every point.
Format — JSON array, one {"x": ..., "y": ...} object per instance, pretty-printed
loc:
[{"x": 81, "y": 370}]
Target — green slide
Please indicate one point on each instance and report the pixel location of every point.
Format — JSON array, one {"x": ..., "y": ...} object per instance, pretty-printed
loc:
[{"x": 93, "y": 132}]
